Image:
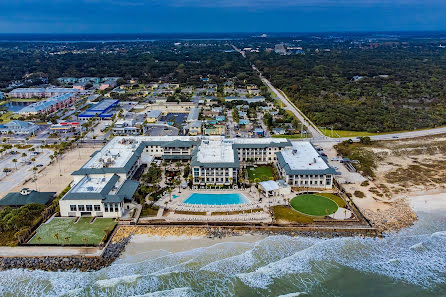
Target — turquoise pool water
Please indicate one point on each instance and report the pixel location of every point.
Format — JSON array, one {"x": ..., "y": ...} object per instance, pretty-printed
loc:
[
  {"x": 175, "y": 196},
  {"x": 216, "y": 199}
]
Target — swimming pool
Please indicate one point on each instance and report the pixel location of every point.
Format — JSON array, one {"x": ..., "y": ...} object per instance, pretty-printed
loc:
[{"x": 216, "y": 199}]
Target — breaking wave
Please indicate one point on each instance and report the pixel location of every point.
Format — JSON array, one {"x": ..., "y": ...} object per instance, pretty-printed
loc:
[{"x": 412, "y": 261}]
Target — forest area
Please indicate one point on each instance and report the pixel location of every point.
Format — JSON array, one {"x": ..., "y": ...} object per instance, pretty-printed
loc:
[
  {"x": 388, "y": 88},
  {"x": 145, "y": 61}
]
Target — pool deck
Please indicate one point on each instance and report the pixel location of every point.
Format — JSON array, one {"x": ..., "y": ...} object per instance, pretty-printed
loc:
[{"x": 177, "y": 204}]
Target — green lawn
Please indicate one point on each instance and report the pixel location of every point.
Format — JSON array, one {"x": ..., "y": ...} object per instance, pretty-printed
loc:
[
  {"x": 314, "y": 205},
  {"x": 287, "y": 214},
  {"x": 262, "y": 172},
  {"x": 352, "y": 134},
  {"x": 339, "y": 201},
  {"x": 69, "y": 233}
]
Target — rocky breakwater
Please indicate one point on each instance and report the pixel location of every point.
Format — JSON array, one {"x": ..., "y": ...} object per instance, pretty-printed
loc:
[
  {"x": 83, "y": 263},
  {"x": 168, "y": 231},
  {"x": 400, "y": 215}
]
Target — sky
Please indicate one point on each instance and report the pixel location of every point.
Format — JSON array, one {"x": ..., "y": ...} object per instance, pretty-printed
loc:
[{"x": 196, "y": 16}]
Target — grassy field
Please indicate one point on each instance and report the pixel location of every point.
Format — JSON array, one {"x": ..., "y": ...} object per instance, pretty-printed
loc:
[
  {"x": 64, "y": 231},
  {"x": 262, "y": 172},
  {"x": 287, "y": 214},
  {"x": 340, "y": 133},
  {"x": 8, "y": 116},
  {"x": 339, "y": 201},
  {"x": 314, "y": 205}
]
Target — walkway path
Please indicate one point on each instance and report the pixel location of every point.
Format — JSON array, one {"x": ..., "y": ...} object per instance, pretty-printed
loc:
[{"x": 49, "y": 251}]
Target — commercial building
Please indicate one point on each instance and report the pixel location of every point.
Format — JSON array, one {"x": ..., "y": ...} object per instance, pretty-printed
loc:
[
  {"x": 303, "y": 166},
  {"x": 103, "y": 109},
  {"x": 104, "y": 185},
  {"x": 26, "y": 196},
  {"x": 49, "y": 105},
  {"x": 153, "y": 116},
  {"x": 18, "y": 127},
  {"x": 126, "y": 127},
  {"x": 173, "y": 107},
  {"x": 40, "y": 92}
]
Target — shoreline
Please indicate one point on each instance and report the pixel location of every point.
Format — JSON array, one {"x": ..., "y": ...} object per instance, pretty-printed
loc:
[{"x": 129, "y": 236}]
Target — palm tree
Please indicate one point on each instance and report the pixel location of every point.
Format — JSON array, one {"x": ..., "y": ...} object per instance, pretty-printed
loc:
[
  {"x": 23, "y": 156},
  {"x": 84, "y": 240},
  {"x": 39, "y": 239},
  {"x": 67, "y": 239},
  {"x": 15, "y": 162},
  {"x": 56, "y": 236}
]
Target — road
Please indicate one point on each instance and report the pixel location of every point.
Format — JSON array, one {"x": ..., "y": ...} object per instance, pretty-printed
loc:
[
  {"x": 315, "y": 132},
  {"x": 318, "y": 136}
]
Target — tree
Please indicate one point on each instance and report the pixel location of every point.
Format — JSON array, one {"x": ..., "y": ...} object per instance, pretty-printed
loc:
[
  {"x": 56, "y": 236},
  {"x": 15, "y": 162}
]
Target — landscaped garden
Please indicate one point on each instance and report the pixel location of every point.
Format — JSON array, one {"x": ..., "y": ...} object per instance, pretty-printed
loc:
[
  {"x": 64, "y": 231},
  {"x": 262, "y": 173},
  {"x": 314, "y": 205}
]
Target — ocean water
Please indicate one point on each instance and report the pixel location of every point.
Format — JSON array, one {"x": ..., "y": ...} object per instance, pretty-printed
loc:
[{"x": 408, "y": 263}]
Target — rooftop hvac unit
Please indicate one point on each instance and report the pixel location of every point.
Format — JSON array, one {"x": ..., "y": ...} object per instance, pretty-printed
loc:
[
  {"x": 90, "y": 189},
  {"x": 314, "y": 160},
  {"x": 294, "y": 151}
]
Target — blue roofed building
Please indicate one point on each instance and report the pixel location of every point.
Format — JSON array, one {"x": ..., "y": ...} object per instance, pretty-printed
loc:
[{"x": 103, "y": 109}]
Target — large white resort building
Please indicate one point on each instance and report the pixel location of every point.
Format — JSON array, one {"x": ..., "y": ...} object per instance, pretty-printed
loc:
[{"x": 104, "y": 186}]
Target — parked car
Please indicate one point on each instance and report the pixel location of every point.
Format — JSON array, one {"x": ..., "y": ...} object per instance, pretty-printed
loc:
[{"x": 39, "y": 165}]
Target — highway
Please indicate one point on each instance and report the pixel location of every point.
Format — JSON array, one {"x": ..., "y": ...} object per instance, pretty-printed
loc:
[
  {"x": 318, "y": 136},
  {"x": 312, "y": 128}
]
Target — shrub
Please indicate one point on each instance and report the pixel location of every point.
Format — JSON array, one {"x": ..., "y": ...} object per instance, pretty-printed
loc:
[{"x": 359, "y": 194}]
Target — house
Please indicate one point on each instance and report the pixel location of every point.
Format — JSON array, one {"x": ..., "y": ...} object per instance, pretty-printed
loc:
[
  {"x": 80, "y": 86},
  {"x": 18, "y": 127},
  {"x": 254, "y": 92},
  {"x": 272, "y": 188},
  {"x": 193, "y": 128},
  {"x": 278, "y": 131},
  {"x": 26, "y": 196},
  {"x": 243, "y": 122},
  {"x": 67, "y": 80},
  {"x": 107, "y": 84},
  {"x": 211, "y": 92},
  {"x": 217, "y": 129},
  {"x": 154, "y": 116},
  {"x": 259, "y": 132},
  {"x": 220, "y": 118}
]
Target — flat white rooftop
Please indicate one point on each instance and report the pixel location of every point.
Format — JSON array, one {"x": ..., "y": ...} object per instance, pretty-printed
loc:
[
  {"x": 91, "y": 184},
  {"x": 215, "y": 151},
  {"x": 303, "y": 156}
]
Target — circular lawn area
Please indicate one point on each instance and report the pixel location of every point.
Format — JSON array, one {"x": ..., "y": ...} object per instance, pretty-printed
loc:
[{"x": 314, "y": 205}]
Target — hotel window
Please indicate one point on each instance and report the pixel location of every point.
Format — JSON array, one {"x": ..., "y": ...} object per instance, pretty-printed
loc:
[
  {"x": 89, "y": 208},
  {"x": 116, "y": 207},
  {"x": 106, "y": 207},
  {"x": 81, "y": 207},
  {"x": 97, "y": 208},
  {"x": 73, "y": 208}
]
